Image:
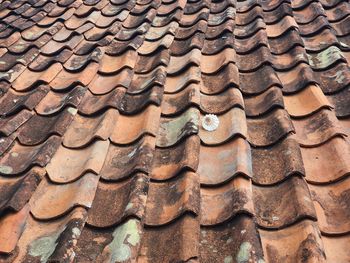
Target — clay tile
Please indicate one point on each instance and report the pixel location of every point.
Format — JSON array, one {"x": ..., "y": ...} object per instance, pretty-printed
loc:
[
  {"x": 148, "y": 63},
  {"x": 65, "y": 79},
  {"x": 183, "y": 234},
  {"x": 230, "y": 124},
  {"x": 96, "y": 34},
  {"x": 84, "y": 130},
  {"x": 219, "y": 164},
  {"x": 247, "y": 45},
  {"x": 54, "y": 102},
  {"x": 125, "y": 34},
  {"x": 333, "y": 79},
  {"x": 123, "y": 161},
  {"x": 133, "y": 21},
  {"x": 317, "y": 128},
  {"x": 124, "y": 199},
  {"x": 263, "y": 103},
  {"x": 212, "y": 47},
  {"x": 6, "y": 142},
  {"x": 53, "y": 47},
  {"x": 294, "y": 203},
  {"x": 327, "y": 162},
  {"x": 306, "y": 102},
  {"x": 84, "y": 47},
  {"x": 281, "y": 26},
  {"x": 149, "y": 47},
  {"x": 292, "y": 242},
  {"x": 9, "y": 60},
  {"x": 320, "y": 41},
  {"x": 172, "y": 130},
  {"x": 9, "y": 125},
  {"x": 127, "y": 236},
  {"x": 187, "y": 32},
  {"x": 290, "y": 59},
  {"x": 252, "y": 61},
  {"x": 174, "y": 84},
  {"x": 250, "y": 29},
  {"x": 15, "y": 192},
  {"x": 130, "y": 128},
  {"x": 91, "y": 104},
  {"x": 167, "y": 201},
  {"x": 102, "y": 84},
  {"x": 297, "y": 78},
  {"x": 77, "y": 63},
  {"x": 235, "y": 241},
  {"x": 177, "y": 64},
  {"x": 58, "y": 236},
  {"x": 169, "y": 162},
  {"x": 111, "y": 10},
  {"x": 20, "y": 158},
  {"x": 246, "y": 18},
  {"x": 111, "y": 64},
  {"x": 216, "y": 83},
  {"x": 180, "y": 47},
  {"x": 275, "y": 163},
  {"x": 277, "y": 14},
  {"x": 269, "y": 129},
  {"x": 318, "y": 24},
  {"x": 74, "y": 21},
  {"x": 214, "y": 32},
  {"x": 188, "y": 20},
  {"x": 182, "y": 100},
  {"x": 309, "y": 13},
  {"x": 118, "y": 47},
  {"x": 54, "y": 200},
  {"x": 69, "y": 164},
  {"x": 325, "y": 58},
  {"x": 14, "y": 101},
  {"x": 285, "y": 42},
  {"x": 11, "y": 75},
  {"x": 42, "y": 62},
  {"x": 166, "y": 9},
  {"x": 11, "y": 228},
  {"x": 222, "y": 203},
  {"x": 337, "y": 13},
  {"x": 6, "y": 42},
  {"x": 39, "y": 128},
  {"x": 219, "y": 18},
  {"x": 332, "y": 206},
  {"x": 212, "y": 63},
  {"x": 133, "y": 103},
  {"x": 219, "y": 6},
  {"x": 156, "y": 33},
  {"x": 336, "y": 248},
  {"x": 29, "y": 78},
  {"x": 341, "y": 102}
]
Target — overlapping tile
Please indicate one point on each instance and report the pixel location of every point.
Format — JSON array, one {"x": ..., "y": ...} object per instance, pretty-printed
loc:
[{"x": 218, "y": 127}]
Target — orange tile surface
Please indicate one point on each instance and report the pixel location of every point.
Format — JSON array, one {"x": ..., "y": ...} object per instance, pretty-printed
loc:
[{"x": 175, "y": 131}]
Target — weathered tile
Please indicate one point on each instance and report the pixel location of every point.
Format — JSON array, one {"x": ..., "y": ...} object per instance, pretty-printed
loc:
[
  {"x": 220, "y": 164},
  {"x": 69, "y": 164}
]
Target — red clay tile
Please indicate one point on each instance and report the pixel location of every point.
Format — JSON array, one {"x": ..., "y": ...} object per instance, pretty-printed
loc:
[
  {"x": 9, "y": 125},
  {"x": 84, "y": 130},
  {"x": 176, "y": 83},
  {"x": 234, "y": 241},
  {"x": 54, "y": 200},
  {"x": 20, "y": 158},
  {"x": 183, "y": 234},
  {"x": 15, "y": 192},
  {"x": 231, "y": 123},
  {"x": 125, "y": 199},
  {"x": 299, "y": 242},
  {"x": 102, "y": 84},
  {"x": 38, "y": 128},
  {"x": 11, "y": 228},
  {"x": 172, "y": 130},
  {"x": 123, "y": 161},
  {"x": 224, "y": 202},
  {"x": 317, "y": 128},
  {"x": 110, "y": 64},
  {"x": 130, "y": 128},
  {"x": 54, "y": 102},
  {"x": 69, "y": 164},
  {"x": 169, "y": 162},
  {"x": 220, "y": 164}
]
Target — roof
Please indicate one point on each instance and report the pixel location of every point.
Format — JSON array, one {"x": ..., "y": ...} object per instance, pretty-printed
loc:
[{"x": 174, "y": 131}]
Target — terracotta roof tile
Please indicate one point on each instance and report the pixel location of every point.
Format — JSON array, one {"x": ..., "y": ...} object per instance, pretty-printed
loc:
[{"x": 174, "y": 131}]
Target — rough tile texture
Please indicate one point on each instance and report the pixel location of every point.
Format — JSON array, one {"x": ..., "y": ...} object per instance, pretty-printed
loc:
[{"x": 175, "y": 131}]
